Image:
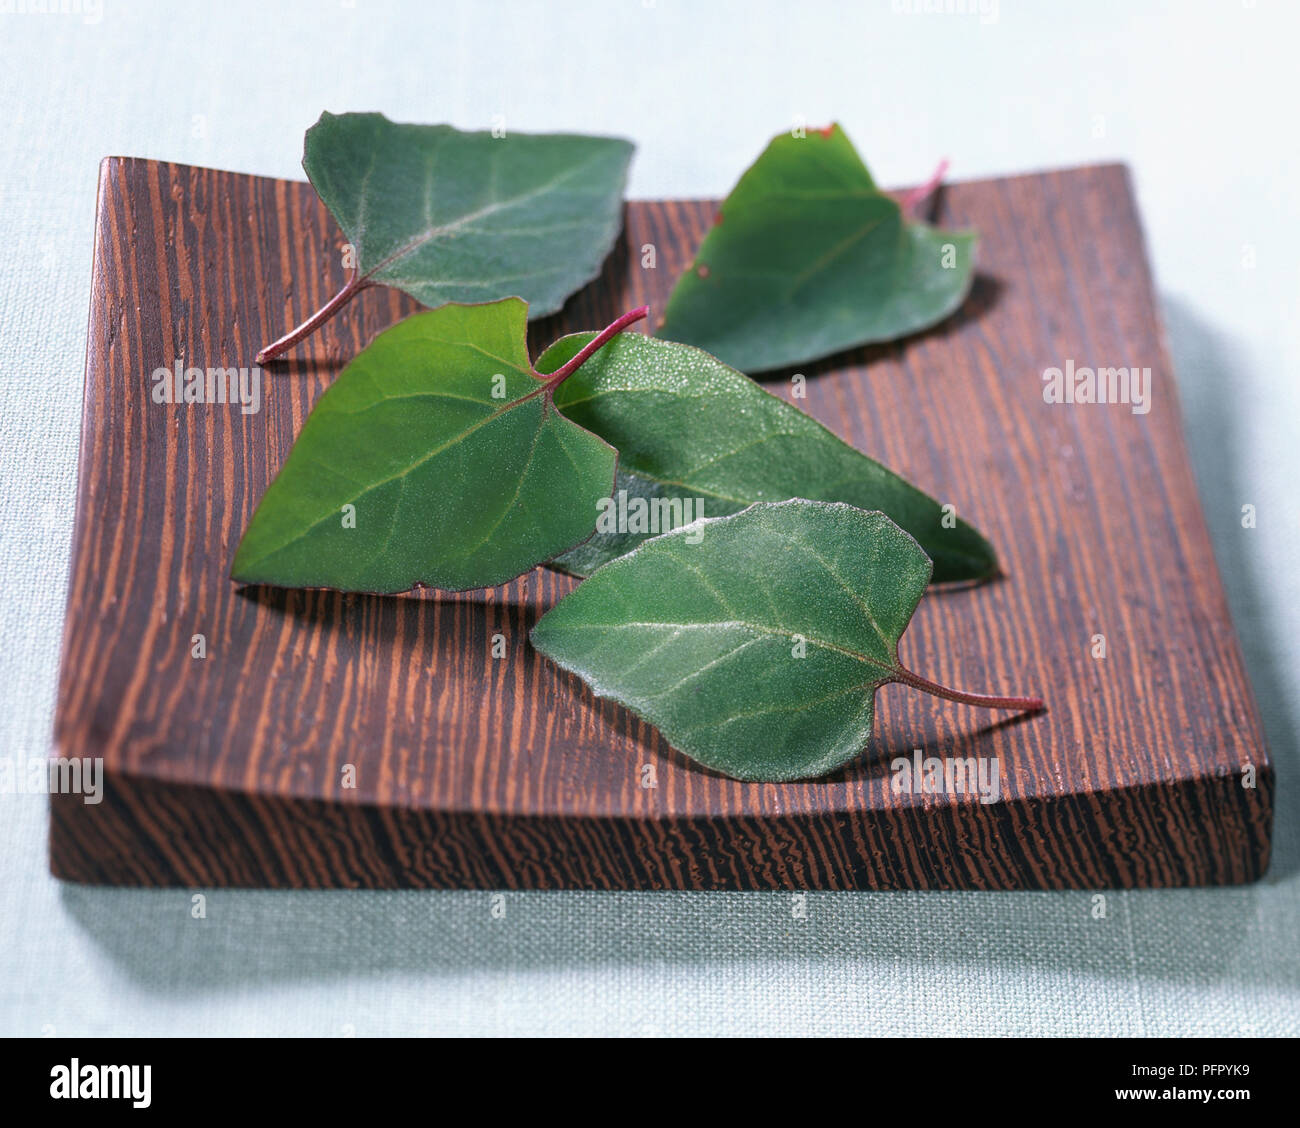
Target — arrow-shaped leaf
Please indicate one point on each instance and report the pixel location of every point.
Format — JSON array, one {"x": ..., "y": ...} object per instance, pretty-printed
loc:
[
  {"x": 436, "y": 458},
  {"x": 755, "y": 643},
  {"x": 808, "y": 258},
  {"x": 689, "y": 428},
  {"x": 448, "y": 216}
]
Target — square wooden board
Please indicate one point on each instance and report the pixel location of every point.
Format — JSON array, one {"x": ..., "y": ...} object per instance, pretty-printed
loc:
[{"x": 482, "y": 772}]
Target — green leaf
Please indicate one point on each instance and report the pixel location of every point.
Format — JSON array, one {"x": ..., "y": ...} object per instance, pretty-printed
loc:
[
  {"x": 809, "y": 258},
  {"x": 436, "y": 458},
  {"x": 448, "y": 216},
  {"x": 755, "y": 643},
  {"x": 688, "y": 427}
]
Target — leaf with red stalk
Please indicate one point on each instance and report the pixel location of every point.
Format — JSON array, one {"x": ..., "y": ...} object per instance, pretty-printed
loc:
[
  {"x": 814, "y": 259},
  {"x": 912, "y": 201},
  {"x": 436, "y": 459},
  {"x": 687, "y": 427},
  {"x": 755, "y": 643},
  {"x": 447, "y": 216}
]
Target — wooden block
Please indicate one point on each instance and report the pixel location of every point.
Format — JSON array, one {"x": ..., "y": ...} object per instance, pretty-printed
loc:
[{"x": 482, "y": 772}]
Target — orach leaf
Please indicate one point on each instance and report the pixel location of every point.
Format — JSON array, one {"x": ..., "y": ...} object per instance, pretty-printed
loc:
[
  {"x": 808, "y": 258},
  {"x": 436, "y": 458},
  {"x": 756, "y": 650},
  {"x": 687, "y": 426},
  {"x": 448, "y": 216}
]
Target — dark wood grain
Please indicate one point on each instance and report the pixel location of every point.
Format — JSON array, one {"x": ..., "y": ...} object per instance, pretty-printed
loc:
[{"x": 474, "y": 771}]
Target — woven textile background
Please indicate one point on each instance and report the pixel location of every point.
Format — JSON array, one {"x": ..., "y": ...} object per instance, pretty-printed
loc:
[{"x": 1197, "y": 98}]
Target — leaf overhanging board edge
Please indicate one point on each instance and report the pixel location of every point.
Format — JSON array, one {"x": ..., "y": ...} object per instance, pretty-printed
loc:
[
  {"x": 842, "y": 248},
  {"x": 597, "y": 221}
]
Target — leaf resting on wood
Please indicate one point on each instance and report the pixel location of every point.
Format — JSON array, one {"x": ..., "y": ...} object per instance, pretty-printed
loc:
[
  {"x": 447, "y": 216},
  {"x": 755, "y": 643},
  {"x": 809, "y": 258},
  {"x": 436, "y": 458},
  {"x": 688, "y": 427}
]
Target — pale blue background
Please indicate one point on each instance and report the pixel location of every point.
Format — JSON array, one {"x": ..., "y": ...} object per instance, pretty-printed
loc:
[{"x": 1199, "y": 98}]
